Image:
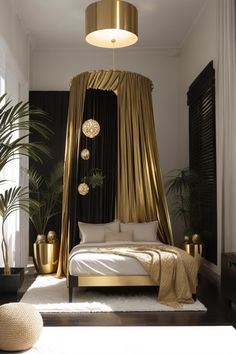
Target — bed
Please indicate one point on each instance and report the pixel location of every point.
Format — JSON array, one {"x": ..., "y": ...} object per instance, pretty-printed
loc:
[{"x": 115, "y": 254}]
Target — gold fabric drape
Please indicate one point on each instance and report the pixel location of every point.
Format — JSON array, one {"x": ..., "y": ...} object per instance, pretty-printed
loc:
[
  {"x": 74, "y": 121},
  {"x": 140, "y": 192},
  {"x": 140, "y": 195}
]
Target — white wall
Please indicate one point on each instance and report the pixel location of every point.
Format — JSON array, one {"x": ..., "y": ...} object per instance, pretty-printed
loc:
[
  {"x": 199, "y": 48},
  {"x": 14, "y": 35},
  {"x": 14, "y": 65},
  {"x": 53, "y": 70}
]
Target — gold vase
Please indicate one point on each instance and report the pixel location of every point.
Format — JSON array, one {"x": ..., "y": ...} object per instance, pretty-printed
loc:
[
  {"x": 46, "y": 257},
  {"x": 194, "y": 248}
]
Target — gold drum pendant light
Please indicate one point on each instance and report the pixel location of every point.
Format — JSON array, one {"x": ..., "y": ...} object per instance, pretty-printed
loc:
[{"x": 111, "y": 24}]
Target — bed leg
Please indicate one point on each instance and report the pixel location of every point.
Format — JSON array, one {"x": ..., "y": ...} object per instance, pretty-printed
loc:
[{"x": 70, "y": 293}]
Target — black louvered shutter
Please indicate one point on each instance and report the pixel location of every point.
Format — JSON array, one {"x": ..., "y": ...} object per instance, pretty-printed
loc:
[{"x": 202, "y": 154}]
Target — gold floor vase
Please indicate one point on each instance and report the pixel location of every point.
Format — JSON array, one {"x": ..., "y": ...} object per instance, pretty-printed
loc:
[
  {"x": 194, "y": 248},
  {"x": 46, "y": 257}
]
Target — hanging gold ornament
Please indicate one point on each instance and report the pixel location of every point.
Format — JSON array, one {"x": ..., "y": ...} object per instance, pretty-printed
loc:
[
  {"x": 83, "y": 188},
  {"x": 91, "y": 128},
  {"x": 85, "y": 154}
]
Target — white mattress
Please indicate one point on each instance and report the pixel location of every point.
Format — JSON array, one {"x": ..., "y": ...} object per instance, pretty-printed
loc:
[{"x": 84, "y": 260}]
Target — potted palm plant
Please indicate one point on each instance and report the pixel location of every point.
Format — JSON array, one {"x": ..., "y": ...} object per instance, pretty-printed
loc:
[
  {"x": 47, "y": 191},
  {"x": 14, "y": 118},
  {"x": 186, "y": 186},
  {"x": 11, "y": 200}
]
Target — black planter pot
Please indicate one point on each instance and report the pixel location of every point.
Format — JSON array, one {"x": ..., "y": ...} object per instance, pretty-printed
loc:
[{"x": 12, "y": 282}]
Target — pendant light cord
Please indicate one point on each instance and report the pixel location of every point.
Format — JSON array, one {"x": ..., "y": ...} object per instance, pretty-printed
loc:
[{"x": 113, "y": 53}]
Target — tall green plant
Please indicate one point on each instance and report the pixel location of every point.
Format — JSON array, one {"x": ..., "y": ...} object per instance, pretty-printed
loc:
[
  {"x": 47, "y": 191},
  {"x": 185, "y": 185},
  {"x": 15, "y": 118}
]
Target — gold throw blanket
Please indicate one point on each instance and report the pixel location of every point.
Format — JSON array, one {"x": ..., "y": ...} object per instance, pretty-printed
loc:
[{"x": 173, "y": 269}]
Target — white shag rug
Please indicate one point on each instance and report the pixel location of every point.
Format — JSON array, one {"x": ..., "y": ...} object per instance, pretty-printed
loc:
[{"x": 49, "y": 294}]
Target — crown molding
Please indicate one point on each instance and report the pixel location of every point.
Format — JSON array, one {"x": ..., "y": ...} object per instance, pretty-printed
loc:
[{"x": 193, "y": 25}]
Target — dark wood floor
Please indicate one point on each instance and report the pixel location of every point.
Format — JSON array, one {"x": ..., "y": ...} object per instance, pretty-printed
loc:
[{"x": 209, "y": 293}]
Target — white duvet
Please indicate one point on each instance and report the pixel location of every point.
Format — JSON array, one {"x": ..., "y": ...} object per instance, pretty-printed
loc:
[{"x": 84, "y": 260}]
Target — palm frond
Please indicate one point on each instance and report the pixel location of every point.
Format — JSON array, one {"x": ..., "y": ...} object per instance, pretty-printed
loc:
[
  {"x": 15, "y": 127},
  {"x": 14, "y": 118},
  {"x": 47, "y": 191},
  {"x": 185, "y": 186},
  {"x": 14, "y": 199}
]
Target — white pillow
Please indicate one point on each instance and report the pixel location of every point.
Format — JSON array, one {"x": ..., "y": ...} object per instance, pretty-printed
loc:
[
  {"x": 146, "y": 231},
  {"x": 95, "y": 232},
  {"x": 118, "y": 236}
]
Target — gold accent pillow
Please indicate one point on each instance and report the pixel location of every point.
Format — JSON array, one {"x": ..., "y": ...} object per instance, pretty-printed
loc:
[{"x": 118, "y": 236}]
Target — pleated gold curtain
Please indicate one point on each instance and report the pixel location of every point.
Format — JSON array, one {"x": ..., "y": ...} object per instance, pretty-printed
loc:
[
  {"x": 140, "y": 192},
  {"x": 140, "y": 195}
]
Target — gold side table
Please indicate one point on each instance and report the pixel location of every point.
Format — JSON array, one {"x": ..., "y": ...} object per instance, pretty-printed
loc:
[{"x": 194, "y": 248}]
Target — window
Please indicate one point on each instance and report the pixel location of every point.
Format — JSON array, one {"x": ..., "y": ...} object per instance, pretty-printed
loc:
[{"x": 14, "y": 84}]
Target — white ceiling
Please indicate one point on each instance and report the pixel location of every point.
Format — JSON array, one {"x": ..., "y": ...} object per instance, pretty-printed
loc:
[{"x": 59, "y": 24}]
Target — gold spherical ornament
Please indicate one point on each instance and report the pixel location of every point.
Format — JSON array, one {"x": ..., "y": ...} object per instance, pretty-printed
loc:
[
  {"x": 40, "y": 239},
  {"x": 51, "y": 237},
  {"x": 186, "y": 239},
  {"x": 91, "y": 128},
  {"x": 196, "y": 238},
  {"x": 83, "y": 188},
  {"x": 85, "y": 154}
]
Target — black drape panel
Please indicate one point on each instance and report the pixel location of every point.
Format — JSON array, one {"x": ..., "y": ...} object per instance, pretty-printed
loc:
[
  {"x": 98, "y": 206},
  {"x": 55, "y": 104}
]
